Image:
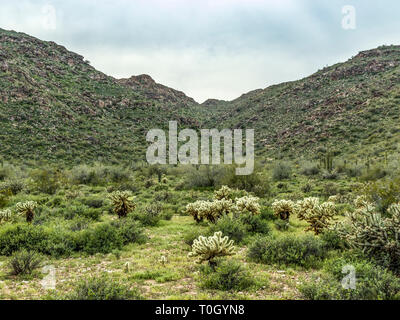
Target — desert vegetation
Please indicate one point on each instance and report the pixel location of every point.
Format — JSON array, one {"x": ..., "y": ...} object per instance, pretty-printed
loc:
[{"x": 145, "y": 232}]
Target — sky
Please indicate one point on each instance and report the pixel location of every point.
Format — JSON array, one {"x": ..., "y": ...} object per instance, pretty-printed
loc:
[{"x": 217, "y": 49}]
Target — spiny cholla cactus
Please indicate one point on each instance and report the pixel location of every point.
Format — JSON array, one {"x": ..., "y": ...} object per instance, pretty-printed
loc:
[
  {"x": 208, "y": 249},
  {"x": 334, "y": 199},
  {"x": 219, "y": 208},
  {"x": 211, "y": 211},
  {"x": 317, "y": 215},
  {"x": 197, "y": 209},
  {"x": 283, "y": 209},
  {"x": 376, "y": 236},
  {"x": 27, "y": 209},
  {"x": 225, "y": 193},
  {"x": 5, "y": 215},
  {"x": 248, "y": 204},
  {"x": 122, "y": 202},
  {"x": 361, "y": 202}
]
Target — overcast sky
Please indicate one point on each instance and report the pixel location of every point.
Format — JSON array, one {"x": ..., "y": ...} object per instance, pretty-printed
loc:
[{"x": 208, "y": 48}]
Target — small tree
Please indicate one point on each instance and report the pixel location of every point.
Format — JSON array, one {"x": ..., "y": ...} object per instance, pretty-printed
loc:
[
  {"x": 208, "y": 249},
  {"x": 27, "y": 209},
  {"x": 122, "y": 203}
]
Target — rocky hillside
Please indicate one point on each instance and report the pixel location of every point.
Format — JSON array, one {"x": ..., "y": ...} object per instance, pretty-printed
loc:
[
  {"x": 54, "y": 106},
  {"x": 348, "y": 107}
]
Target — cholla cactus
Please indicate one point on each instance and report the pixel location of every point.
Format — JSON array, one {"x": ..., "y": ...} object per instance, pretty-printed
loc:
[
  {"x": 376, "y": 236},
  {"x": 283, "y": 209},
  {"x": 211, "y": 211},
  {"x": 27, "y": 209},
  {"x": 317, "y": 215},
  {"x": 225, "y": 193},
  {"x": 5, "y": 215},
  {"x": 361, "y": 202},
  {"x": 219, "y": 208},
  {"x": 199, "y": 210},
  {"x": 306, "y": 205},
  {"x": 163, "y": 260},
  {"x": 334, "y": 199},
  {"x": 394, "y": 210},
  {"x": 248, "y": 204},
  {"x": 208, "y": 249},
  {"x": 122, "y": 202}
]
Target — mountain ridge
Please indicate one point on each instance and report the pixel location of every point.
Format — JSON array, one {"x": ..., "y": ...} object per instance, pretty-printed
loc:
[{"x": 66, "y": 110}]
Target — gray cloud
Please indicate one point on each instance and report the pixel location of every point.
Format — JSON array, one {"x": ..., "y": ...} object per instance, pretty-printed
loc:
[{"x": 209, "y": 48}]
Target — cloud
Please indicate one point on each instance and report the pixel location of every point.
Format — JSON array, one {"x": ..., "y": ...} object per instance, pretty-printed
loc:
[{"x": 209, "y": 48}]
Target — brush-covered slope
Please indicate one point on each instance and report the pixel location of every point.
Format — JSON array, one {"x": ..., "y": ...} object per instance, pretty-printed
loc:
[
  {"x": 346, "y": 107},
  {"x": 55, "y": 106}
]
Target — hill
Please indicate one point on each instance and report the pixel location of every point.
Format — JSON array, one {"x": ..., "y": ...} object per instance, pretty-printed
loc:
[
  {"x": 56, "y": 107},
  {"x": 348, "y": 107}
]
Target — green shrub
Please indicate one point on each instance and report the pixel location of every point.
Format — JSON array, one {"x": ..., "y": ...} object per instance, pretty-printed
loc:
[
  {"x": 82, "y": 211},
  {"x": 84, "y": 174},
  {"x": 309, "y": 169},
  {"x": 305, "y": 251},
  {"x": 282, "y": 225},
  {"x": 15, "y": 237},
  {"x": 103, "y": 238},
  {"x": 256, "y": 182},
  {"x": 227, "y": 276},
  {"x": 118, "y": 174},
  {"x": 193, "y": 235},
  {"x": 267, "y": 214},
  {"x": 281, "y": 171},
  {"x": 255, "y": 224},
  {"x": 383, "y": 193},
  {"x": 24, "y": 262},
  {"x": 13, "y": 186},
  {"x": 372, "y": 283},
  {"x": 232, "y": 228},
  {"x": 373, "y": 174},
  {"x": 103, "y": 288},
  {"x": 129, "y": 230},
  {"x": 96, "y": 203},
  {"x": 45, "y": 180},
  {"x": 332, "y": 240},
  {"x": 150, "y": 215},
  {"x": 167, "y": 215}
]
